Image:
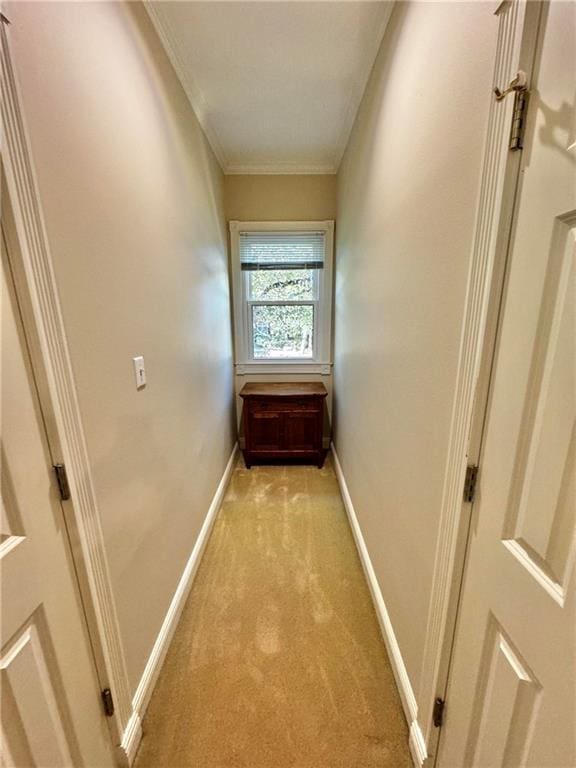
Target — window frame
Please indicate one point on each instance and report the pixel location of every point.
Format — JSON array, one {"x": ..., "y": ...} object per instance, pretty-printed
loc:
[{"x": 321, "y": 360}]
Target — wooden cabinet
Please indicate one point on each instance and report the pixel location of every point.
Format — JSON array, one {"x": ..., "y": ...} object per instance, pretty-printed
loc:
[{"x": 283, "y": 421}]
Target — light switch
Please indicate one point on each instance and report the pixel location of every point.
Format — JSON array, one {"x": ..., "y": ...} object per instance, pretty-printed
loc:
[{"x": 139, "y": 372}]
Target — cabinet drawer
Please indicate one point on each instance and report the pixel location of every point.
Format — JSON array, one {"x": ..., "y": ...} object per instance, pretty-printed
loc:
[{"x": 284, "y": 405}]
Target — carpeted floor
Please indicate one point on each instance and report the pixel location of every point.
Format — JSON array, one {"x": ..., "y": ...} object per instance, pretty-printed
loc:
[{"x": 278, "y": 660}]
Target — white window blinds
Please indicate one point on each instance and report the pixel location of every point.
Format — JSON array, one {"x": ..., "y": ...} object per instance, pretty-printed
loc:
[{"x": 281, "y": 250}]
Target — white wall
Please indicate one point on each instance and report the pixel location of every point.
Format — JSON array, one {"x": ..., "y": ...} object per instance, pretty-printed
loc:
[
  {"x": 407, "y": 197},
  {"x": 134, "y": 210}
]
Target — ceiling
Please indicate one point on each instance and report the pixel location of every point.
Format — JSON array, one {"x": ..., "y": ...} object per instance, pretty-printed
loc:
[{"x": 276, "y": 85}]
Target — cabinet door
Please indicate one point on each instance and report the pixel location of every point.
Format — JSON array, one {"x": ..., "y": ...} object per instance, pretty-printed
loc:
[
  {"x": 301, "y": 430},
  {"x": 265, "y": 431}
]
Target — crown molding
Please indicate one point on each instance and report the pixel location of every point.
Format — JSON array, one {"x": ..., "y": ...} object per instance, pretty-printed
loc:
[
  {"x": 280, "y": 169},
  {"x": 370, "y": 54},
  {"x": 200, "y": 107},
  {"x": 191, "y": 89}
]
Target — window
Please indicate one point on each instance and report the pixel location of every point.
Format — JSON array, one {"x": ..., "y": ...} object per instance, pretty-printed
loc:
[{"x": 282, "y": 292}]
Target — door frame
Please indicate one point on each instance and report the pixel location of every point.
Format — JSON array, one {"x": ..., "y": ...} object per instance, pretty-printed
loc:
[
  {"x": 31, "y": 263},
  {"x": 518, "y": 23}
]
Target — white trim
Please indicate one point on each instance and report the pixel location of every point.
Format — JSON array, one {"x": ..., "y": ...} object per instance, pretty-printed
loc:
[
  {"x": 287, "y": 168},
  {"x": 191, "y": 89},
  {"x": 158, "y": 654},
  {"x": 407, "y": 697},
  {"x": 37, "y": 288},
  {"x": 498, "y": 183},
  {"x": 417, "y": 745},
  {"x": 322, "y": 327},
  {"x": 274, "y": 368},
  {"x": 131, "y": 739}
]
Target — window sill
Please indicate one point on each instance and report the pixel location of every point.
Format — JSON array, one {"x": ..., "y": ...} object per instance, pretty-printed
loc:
[{"x": 244, "y": 369}]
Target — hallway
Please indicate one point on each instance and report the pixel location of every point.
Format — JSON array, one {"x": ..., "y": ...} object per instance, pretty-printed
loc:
[
  {"x": 270, "y": 228},
  {"x": 278, "y": 659}
]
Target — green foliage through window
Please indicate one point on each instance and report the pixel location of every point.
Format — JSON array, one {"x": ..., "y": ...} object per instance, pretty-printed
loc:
[
  {"x": 282, "y": 284},
  {"x": 283, "y": 330}
]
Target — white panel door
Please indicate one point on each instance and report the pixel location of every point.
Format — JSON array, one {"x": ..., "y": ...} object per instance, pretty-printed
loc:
[
  {"x": 51, "y": 711},
  {"x": 511, "y": 698}
]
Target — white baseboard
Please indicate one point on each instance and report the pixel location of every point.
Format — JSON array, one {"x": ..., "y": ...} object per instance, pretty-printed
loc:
[
  {"x": 416, "y": 739},
  {"x": 141, "y": 698}
]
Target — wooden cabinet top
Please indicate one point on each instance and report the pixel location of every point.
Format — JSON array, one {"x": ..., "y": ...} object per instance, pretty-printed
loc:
[{"x": 277, "y": 389}]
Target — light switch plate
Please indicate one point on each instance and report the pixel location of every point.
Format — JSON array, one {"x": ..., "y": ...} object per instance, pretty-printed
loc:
[{"x": 139, "y": 372}]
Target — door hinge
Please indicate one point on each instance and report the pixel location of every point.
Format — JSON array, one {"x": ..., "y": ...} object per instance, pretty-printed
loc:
[
  {"x": 438, "y": 713},
  {"x": 470, "y": 483},
  {"x": 518, "y": 120},
  {"x": 519, "y": 87},
  {"x": 62, "y": 478},
  {"x": 108, "y": 702}
]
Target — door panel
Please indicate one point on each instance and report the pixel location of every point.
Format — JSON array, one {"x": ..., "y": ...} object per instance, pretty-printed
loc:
[
  {"x": 511, "y": 695},
  {"x": 33, "y": 723},
  {"x": 51, "y": 713},
  {"x": 541, "y": 515},
  {"x": 300, "y": 431},
  {"x": 505, "y": 705},
  {"x": 266, "y": 431}
]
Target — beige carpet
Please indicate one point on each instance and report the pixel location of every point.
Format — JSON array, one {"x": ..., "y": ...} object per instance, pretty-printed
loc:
[{"x": 278, "y": 659}]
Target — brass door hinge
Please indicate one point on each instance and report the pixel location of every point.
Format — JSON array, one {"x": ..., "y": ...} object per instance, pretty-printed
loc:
[
  {"x": 518, "y": 120},
  {"x": 519, "y": 87}
]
